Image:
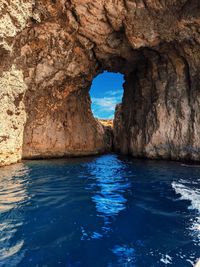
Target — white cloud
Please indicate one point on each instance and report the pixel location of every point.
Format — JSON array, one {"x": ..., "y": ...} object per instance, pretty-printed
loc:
[
  {"x": 116, "y": 93},
  {"x": 105, "y": 107},
  {"x": 105, "y": 103}
]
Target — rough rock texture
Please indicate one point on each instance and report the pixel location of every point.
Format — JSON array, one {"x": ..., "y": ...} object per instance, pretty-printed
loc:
[
  {"x": 159, "y": 116},
  {"x": 51, "y": 50}
]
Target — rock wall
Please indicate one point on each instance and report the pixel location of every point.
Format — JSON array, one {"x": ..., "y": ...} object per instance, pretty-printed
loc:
[
  {"x": 14, "y": 16},
  {"x": 67, "y": 128},
  {"x": 12, "y": 116},
  {"x": 51, "y": 50},
  {"x": 159, "y": 116}
]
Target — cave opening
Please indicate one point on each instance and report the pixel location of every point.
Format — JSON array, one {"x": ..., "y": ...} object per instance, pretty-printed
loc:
[{"x": 106, "y": 92}]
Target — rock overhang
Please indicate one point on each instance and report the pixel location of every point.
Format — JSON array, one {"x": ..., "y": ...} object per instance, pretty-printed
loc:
[{"x": 59, "y": 47}]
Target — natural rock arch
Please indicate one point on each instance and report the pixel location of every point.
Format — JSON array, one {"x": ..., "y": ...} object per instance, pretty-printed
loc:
[{"x": 50, "y": 52}]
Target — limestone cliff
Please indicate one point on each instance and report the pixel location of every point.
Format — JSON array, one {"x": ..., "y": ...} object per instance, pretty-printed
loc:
[{"x": 51, "y": 50}]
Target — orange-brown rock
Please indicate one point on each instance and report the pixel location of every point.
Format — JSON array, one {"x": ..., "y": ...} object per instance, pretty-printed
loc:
[
  {"x": 51, "y": 50},
  {"x": 106, "y": 122}
]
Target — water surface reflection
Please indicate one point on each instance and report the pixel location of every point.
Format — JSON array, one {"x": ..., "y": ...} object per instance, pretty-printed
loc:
[
  {"x": 13, "y": 194},
  {"x": 99, "y": 211},
  {"x": 109, "y": 185}
]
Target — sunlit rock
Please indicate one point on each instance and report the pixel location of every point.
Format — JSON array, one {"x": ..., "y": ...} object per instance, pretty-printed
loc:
[{"x": 55, "y": 49}]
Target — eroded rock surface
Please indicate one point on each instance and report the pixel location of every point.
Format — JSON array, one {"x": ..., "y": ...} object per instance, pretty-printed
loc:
[
  {"x": 159, "y": 116},
  {"x": 51, "y": 50}
]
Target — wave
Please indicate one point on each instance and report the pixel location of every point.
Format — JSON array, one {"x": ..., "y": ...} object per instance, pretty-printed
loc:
[
  {"x": 188, "y": 192},
  {"x": 190, "y": 165}
]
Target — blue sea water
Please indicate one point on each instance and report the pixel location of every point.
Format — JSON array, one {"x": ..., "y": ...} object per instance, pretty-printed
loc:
[{"x": 99, "y": 211}]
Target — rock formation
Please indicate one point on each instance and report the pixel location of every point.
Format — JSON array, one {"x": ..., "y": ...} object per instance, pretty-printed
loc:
[{"x": 51, "y": 50}]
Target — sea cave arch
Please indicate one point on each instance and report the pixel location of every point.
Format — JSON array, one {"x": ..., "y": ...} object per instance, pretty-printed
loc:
[
  {"x": 50, "y": 59},
  {"x": 61, "y": 123},
  {"x": 155, "y": 119}
]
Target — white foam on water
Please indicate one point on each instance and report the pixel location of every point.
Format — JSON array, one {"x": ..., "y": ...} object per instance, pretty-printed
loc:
[
  {"x": 193, "y": 195},
  {"x": 197, "y": 263},
  {"x": 166, "y": 259},
  {"x": 188, "y": 193}
]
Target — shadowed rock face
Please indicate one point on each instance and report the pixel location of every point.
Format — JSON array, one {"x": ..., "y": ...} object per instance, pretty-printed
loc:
[
  {"x": 159, "y": 116},
  {"x": 51, "y": 50}
]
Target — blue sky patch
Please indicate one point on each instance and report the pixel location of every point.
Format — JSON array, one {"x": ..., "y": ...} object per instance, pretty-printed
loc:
[{"x": 106, "y": 91}]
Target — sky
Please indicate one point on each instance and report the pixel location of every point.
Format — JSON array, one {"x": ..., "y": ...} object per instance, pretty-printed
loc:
[{"x": 106, "y": 91}]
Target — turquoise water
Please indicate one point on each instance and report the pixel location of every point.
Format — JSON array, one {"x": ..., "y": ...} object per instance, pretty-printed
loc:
[{"x": 99, "y": 211}]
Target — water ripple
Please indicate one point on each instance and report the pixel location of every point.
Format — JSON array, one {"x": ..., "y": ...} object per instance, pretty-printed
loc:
[
  {"x": 99, "y": 211},
  {"x": 110, "y": 186},
  {"x": 13, "y": 194},
  {"x": 192, "y": 194}
]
